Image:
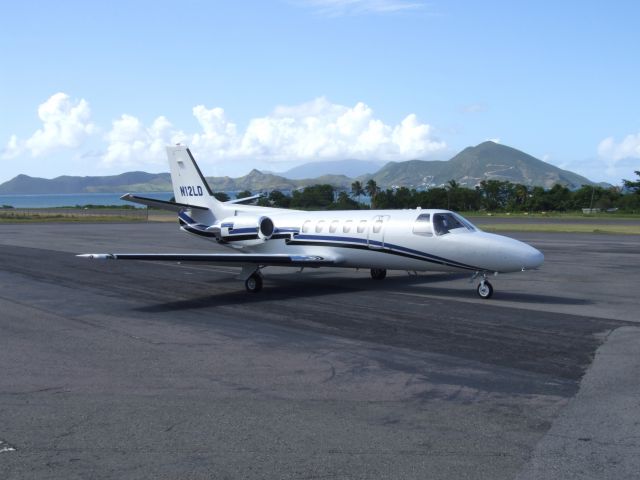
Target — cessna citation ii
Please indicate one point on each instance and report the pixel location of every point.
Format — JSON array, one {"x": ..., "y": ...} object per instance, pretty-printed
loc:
[{"x": 411, "y": 240}]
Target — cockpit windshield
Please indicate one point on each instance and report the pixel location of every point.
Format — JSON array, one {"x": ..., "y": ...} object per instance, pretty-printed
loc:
[
  {"x": 442, "y": 223},
  {"x": 449, "y": 222}
]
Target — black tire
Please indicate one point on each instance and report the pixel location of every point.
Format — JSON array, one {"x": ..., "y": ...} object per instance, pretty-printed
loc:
[
  {"x": 253, "y": 284},
  {"x": 485, "y": 290},
  {"x": 378, "y": 273}
]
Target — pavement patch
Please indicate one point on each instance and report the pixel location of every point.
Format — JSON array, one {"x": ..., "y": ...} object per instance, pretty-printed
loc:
[
  {"x": 5, "y": 447},
  {"x": 597, "y": 436}
]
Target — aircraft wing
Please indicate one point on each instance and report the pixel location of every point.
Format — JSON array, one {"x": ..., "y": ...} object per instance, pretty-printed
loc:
[{"x": 221, "y": 258}]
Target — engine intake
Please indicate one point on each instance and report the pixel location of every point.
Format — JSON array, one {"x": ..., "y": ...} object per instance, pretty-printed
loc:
[
  {"x": 245, "y": 228},
  {"x": 265, "y": 228}
]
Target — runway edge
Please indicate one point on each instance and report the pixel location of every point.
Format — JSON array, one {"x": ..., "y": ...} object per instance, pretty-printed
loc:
[{"x": 597, "y": 435}]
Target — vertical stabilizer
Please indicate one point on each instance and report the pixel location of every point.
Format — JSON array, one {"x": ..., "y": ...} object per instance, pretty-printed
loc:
[{"x": 189, "y": 185}]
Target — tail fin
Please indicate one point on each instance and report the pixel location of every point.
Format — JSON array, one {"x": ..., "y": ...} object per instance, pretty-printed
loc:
[{"x": 189, "y": 185}]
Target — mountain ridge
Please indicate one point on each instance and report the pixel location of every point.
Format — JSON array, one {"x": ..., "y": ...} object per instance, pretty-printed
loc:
[
  {"x": 485, "y": 161},
  {"x": 351, "y": 168}
]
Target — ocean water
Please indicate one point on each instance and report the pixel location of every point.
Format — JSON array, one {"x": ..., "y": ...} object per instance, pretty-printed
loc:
[{"x": 74, "y": 199}]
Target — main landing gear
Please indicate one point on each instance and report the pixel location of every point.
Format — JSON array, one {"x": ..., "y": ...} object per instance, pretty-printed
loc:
[
  {"x": 485, "y": 289},
  {"x": 252, "y": 278},
  {"x": 378, "y": 273},
  {"x": 253, "y": 284}
]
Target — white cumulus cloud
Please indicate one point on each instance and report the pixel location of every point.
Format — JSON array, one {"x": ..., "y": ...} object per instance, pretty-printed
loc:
[
  {"x": 629, "y": 147},
  {"x": 323, "y": 130},
  {"x": 219, "y": 136},
  {"x": 65, "y": 124},
  {"x": 314, "y": 130},
  {"x": 133, "y": 144},
  {"x": 620, "y": 158},
  {"x": 310, "y": 131},
  {"x": 13, "y": 149}
]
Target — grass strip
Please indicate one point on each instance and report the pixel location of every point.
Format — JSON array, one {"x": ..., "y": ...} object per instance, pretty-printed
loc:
[
  {"x": 562, "y": 228},
  {"x": 68, "y": 219}
]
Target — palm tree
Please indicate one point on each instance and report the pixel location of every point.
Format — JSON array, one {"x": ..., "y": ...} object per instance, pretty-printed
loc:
[
  {"x": 634, "y": 186},
  {"x": 357, "y": 190},
  {"x": 452, "y": 189},
  {"x": 453, "y": 185},
  {"x": 372, "y": 190},
  {"x": 522, "y": 192}
]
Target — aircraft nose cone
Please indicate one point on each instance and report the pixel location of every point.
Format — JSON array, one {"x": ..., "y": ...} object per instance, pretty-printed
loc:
[{"x": 534, "y": 259}]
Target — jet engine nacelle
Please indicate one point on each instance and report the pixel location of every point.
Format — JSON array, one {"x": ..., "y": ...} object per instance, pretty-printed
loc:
[{"x": 243, "y": 228}]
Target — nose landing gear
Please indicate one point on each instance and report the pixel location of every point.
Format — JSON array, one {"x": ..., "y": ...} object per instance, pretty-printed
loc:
[{"x": 485, "y": 289}]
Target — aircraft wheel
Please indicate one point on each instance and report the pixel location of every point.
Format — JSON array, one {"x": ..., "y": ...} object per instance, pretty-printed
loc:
[
  {"x": 378, "y": 273},
  {"x": 485, "y": 290},
  {"x": 253, "y": 284}
]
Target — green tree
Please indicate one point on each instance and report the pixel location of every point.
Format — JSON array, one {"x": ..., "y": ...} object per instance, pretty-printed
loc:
[
  {"x": 404, "y": 198},
  {"x": 432, "y": 198},
  {"x": 357, "y": 190},
  {"x": 344, "y": 202},
  {"x": 385, "y": 200},
  {"x": 279, "y": 199},
  {"x": 244, "y": 194},
  {"x": 629, "y": 203},
  {"x": 470, "y": 200},
  {"x": 520, "y": 198},
  {"x": 559, "y": 198},
  {"x": 495, "y": 194},
  {"x": 313, "y": 197},
  {"x": 632, "y": 185},
  {"x": 222, "y": 196},
  {"x": 453, "y": 195},
  {"x": 538, "y": 201},
  {"x": 372, "y": 190}
]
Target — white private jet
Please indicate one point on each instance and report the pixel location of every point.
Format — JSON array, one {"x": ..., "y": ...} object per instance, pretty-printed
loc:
[{"x": 411, "y": 240}]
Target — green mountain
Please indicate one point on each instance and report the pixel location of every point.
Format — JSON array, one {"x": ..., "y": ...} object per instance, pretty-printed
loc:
[
  {"x": 141, "y": 182},
  {"x": 487, "y": 161},
  {"x": 125, "y": 182},
  {"x": 492, "y": 161},
  {"x": 348, "y": 168},
  {"x": 257, "y": 181}
]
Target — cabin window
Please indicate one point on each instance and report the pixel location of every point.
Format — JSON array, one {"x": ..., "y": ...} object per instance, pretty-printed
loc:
[
  {"x": 334, "y": 226},
  {"x": 306, "y": 226},
  {"x": 422, "y": 225},
  {"x": 362, "y": 226},
  {"x": 319, "y": 226},
  {"x": 346, "y": 228},
  {"x": 377, "y": 225}
]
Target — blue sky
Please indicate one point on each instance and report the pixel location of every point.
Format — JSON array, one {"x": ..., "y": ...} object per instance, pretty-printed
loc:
[{"x": 95, "y": 88}]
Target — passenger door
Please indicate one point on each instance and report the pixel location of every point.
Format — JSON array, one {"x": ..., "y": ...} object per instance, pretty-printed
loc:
[{"x": 375, "y": 238}]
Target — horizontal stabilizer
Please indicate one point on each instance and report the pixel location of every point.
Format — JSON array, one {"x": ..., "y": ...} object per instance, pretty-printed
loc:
[
  {"x": 220, "y": 258},
  {"x": 244, "y": 199},
  {"x": 161, "y": 204}
]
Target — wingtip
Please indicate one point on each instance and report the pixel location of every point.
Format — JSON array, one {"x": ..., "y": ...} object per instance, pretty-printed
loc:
[{"x": 97, "y": 256}]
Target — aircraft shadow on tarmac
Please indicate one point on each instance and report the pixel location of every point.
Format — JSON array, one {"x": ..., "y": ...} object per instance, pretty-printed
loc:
[
  {"x": 288, "y": 287},
  {"x": 280, "y": 288}
]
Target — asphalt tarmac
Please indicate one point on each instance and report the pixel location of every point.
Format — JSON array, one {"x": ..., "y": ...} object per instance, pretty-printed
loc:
[{"x": 149, "y": 370}]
